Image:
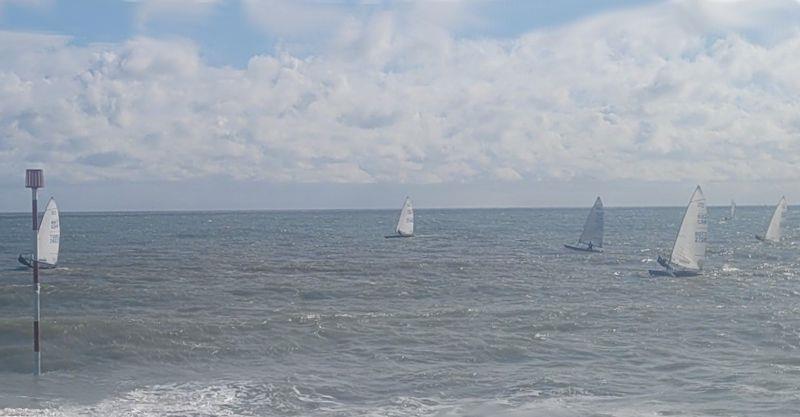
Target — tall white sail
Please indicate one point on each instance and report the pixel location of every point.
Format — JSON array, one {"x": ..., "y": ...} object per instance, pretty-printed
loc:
[
  {"x": 49, "y": 234},
  {"x": 774, "y": 230},
  {"x": 593, "y": 229},
  {"x": 690, "y": 246},
  {"x": 733, "y": 209},
  {"x": 405, "y": 225}
]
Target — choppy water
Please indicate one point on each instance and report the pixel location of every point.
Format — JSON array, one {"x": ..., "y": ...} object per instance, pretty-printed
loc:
[{"x": 483, "y": 314}]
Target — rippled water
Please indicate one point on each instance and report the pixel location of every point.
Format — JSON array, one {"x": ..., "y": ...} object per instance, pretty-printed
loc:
[{"x": 483, "y": 313}]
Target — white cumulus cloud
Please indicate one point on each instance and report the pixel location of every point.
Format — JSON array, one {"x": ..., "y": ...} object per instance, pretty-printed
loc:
[{"x": 668, "y": 92}]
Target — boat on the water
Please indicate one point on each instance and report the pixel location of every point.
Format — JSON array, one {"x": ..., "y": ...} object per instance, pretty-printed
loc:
[
  {"x": 732, "y": 214},
  {"x": 773, "y": 233},
  {"x": 47, "y": 240},
  {"x": 405, "y": 224},
  {"x": 591, "y": 239},
  {"x": 689, "y": 250}
]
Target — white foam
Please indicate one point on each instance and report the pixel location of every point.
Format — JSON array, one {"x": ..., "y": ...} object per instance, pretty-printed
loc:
[{"x": 248, "y": 399}]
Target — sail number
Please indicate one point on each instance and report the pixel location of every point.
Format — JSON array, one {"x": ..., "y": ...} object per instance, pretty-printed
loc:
[{"x": 700, "y": 237}]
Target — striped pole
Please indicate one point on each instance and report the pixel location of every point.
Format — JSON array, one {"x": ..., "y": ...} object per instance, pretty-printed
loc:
[{"x": 34, "y": 179}]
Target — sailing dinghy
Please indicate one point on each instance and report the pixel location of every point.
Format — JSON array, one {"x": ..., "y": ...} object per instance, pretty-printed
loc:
[
  {"x": 774, "y": 229},
  {"x": 689, "y": 251},
  {"x": 405, "y": 224},
  {"x": 733, "y": 212},
  {"x": 47, "y": 240},
  {"x": 591, "y": 239}
]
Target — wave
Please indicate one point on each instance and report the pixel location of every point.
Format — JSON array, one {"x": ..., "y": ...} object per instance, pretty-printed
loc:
[{"x": 235, "y": 399}]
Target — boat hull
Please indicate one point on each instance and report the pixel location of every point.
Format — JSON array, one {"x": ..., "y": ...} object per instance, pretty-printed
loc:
[
  {"x": 675, "y": 274},
  {"x": 397, "y": 236},
  {"x": 763, "y": 239},
  {"x": 29, "y": 263},
  {"x": 582, "y": 248}
]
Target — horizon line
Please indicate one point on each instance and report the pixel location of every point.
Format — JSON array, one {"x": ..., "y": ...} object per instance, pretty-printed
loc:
[{"x": 363, "y": 209}]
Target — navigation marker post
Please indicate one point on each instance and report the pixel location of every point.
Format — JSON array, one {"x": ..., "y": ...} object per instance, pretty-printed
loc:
[{"x": 34, "y": 179}]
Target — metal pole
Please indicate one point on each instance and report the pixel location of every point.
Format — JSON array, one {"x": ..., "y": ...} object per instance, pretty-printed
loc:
[
  {"x": 34, "y": 179},
  {"x": 37, "y": 354}
]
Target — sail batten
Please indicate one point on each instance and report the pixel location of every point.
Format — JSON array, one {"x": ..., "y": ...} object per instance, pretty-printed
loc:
[
  {"x": 49, "y": 235},
  {"x": 593, "y": 228},
  {"x": 689, "y": 250},
  {"x": 774, "y": 229},
  {"x": 405, "y": 224}
]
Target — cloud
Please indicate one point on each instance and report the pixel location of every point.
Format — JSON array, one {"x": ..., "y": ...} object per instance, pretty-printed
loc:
[
  {"x": 339, "y": 25},
  {"x": 643, "y": 94},
  {"x": 295, "y": 18},
  {"x": 763, "y": 20}
]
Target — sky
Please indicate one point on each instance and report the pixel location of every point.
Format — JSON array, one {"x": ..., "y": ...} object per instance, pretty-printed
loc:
[{"x": 301, "y": 104}]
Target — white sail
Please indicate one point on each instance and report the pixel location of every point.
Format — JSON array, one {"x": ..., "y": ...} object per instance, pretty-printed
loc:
[
  {"x": 689, "y": 251},
  {"x": 774, "y": 230},
  {"x": 49, "y": 234},
  {"x": 405, "y": 225},
  {"x": 733, "y": 209},
  {"x": 593, "y": 229}
]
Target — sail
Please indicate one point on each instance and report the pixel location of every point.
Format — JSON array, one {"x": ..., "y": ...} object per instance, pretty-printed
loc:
[
  {"x": 593, "y": 229},
  {"x": 733, "y": 209},
  {"x": 405, "y": 225},
  {"x": 690, "y": 246},
  {"x": 48, "y": 237},
  {"x": 774, "y": 229}
]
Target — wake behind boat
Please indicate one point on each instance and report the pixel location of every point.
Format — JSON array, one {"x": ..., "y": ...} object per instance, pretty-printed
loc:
[
  {"x": 47, "y": 240},
  {"x": 405, "y": 224},
  {"x": 689, "y": 250},
  {"x": 591, "y": 239},
  {"x": 773, "y": 233}
]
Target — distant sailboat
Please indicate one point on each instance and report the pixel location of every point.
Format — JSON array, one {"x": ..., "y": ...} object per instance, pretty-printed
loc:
[
  {"x": 689, "y": 251},
  {"x": 774, "y": 229},
  {"x": 47, "y": 240},
  {"x": 405, "y": 224},
  {"x": 591, "y": 239},
  {"x": 733, "y": 212}
]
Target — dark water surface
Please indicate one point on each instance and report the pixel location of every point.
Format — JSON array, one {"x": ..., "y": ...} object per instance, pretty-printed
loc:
[{"x": 483, "y": 313}]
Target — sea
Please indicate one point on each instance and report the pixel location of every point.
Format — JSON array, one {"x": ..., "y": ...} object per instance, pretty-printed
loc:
[{"x": 482, "y": 313}]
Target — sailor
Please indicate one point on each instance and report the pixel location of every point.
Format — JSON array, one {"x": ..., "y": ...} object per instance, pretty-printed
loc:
[{"x": 590, "y": 245}]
